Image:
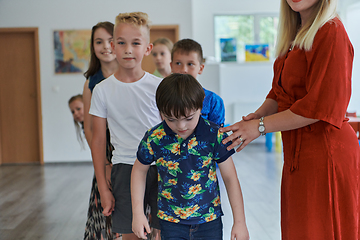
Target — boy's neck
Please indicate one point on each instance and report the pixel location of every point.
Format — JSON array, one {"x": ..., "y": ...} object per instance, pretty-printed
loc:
[
  {"x": 129, "y": 75},
  {"x": 109, "y": 68},
  {"x": 165, "y": 72}
]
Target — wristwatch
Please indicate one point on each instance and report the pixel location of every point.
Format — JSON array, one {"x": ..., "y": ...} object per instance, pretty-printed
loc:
[{"x": 262, "y": 127}]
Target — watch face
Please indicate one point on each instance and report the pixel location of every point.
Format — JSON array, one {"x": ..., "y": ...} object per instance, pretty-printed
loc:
[{"x": 261, "y": 129}]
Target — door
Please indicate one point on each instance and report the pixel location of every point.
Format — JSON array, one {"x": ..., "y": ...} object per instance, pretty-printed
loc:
[
  {"x": 169, "y": 31},
  {"x": 20, "y": 103}
]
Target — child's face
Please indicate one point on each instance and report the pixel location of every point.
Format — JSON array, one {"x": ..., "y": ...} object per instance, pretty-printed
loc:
[
  {"x": 183, "y": 126},
  {"x": 161, "y": 56},
  {"x": 102, "y": 45},
  {"x": 130, "y": 45},
  {"x": 77, "y": 110},
  {"x": 187, "y": 63}
]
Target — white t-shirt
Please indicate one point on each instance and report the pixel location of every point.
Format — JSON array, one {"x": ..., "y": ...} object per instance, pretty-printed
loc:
[{"x": 130, "y": 110}]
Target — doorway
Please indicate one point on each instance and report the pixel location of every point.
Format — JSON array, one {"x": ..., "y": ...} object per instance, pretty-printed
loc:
[
  {"x": 169, "y": 31},
  {"x": 20, "y": 97}
]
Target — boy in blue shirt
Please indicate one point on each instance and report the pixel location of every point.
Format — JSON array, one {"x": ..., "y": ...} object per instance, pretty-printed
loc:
[
  {"x": 185, "y": 147},
  {"x": 187, "y": 58}
]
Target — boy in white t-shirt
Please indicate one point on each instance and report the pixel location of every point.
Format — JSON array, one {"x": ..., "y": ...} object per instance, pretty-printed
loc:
[{"x": 126, "y": 101}]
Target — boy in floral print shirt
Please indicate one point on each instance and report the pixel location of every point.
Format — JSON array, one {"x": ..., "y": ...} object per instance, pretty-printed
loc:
[{"x": 185, "y": 148}]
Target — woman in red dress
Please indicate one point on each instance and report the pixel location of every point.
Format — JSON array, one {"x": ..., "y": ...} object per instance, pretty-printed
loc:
[{"x": 309, "y": 97}]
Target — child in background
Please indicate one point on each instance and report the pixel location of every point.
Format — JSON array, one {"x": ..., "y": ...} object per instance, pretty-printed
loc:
[
  {"x": 126, "y": 101},
  {"x": 162, "y": 56},
  {"x": 76, "y": 106},
  {"x": 102, "y": 64},
  {"x": 187, "y": 57},
  {"x": 185, "y": 148}
]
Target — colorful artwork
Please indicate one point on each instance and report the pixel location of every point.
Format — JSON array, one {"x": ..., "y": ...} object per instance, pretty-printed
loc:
[
  {"x": 228, "y": 49},
  {"x": 72, "y": 50},
  {"x": 257, "y": 52}
]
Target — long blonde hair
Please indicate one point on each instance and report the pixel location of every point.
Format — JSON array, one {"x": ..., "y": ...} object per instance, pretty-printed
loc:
[{"x": 291, "y": 32}]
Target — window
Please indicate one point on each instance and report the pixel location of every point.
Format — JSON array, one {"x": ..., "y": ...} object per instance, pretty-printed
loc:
[{"x": 246, "y": 29}]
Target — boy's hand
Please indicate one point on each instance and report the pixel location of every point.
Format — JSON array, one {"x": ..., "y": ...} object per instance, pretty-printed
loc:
[
  {"x": 139, "y": 224},
  {"x": 239, "y": 232},
  {"x": 107, "y": 202}
]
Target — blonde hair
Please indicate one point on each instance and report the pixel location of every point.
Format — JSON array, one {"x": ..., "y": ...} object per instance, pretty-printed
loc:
[
  {"x": 291, "y": 32},
  {"x": 138, "y": 19},
  {"x": 78, "y": 125},
  {"x": 164, "y": 41}
]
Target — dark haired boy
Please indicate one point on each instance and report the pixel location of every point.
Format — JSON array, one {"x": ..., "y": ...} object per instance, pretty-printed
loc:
[{"x": 185, "y": 148}]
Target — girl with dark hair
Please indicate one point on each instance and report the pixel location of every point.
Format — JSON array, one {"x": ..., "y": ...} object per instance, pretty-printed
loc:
[{"x": 102, "y": 64}]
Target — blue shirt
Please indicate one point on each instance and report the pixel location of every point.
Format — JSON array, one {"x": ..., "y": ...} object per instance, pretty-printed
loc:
[
  {"x": 95, "y": 79},
  {"x": 213, "y": 108},
  {"x": 188, "y": 190}
]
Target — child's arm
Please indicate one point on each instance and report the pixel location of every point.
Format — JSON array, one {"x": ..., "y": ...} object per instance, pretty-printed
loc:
[
  {"x": 87, "y": 116},
  {"x": 138, "y": 181},
  {"x": 98, "y": 146},
  {"x": 228, "y": 172}
]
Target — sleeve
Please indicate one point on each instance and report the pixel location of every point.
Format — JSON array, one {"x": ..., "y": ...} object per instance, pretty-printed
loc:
[
  {"x": 220, "y": 152},
  {"x": 145, "y": 153},
  {"x": 328, "y": 79},
  {"x": 98, "y": 103},
  {"x": 271, "y": 95},
  {"x": 217, "y": 112}
]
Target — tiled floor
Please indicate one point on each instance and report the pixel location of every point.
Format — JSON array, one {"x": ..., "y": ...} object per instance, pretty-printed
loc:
[{"x": 50, "y": 202}]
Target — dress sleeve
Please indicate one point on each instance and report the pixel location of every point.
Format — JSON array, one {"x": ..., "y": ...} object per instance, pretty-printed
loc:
[
  {"x": 328, "y": 77},
  {"x": 271, "y": 95}
]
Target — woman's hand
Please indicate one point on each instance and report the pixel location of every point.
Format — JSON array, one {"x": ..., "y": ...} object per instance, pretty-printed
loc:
[{"x": 244, "y": 132}]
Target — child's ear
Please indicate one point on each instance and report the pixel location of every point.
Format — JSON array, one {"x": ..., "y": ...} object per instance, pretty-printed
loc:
[
  {"x": 201, "y": 69},
  {"x": 112, "y": 45},
  {"x": 148, "y": 49}
]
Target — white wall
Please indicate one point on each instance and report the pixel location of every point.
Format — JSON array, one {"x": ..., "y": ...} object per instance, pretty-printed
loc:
[
  {"x": 352, "y": 25},
  {"x": 59, "y": 137},
  {"x": 243, "y": 87}
]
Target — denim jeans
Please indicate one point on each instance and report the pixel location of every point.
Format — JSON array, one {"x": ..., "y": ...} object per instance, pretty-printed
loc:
[{"x": 174, "y": 231}]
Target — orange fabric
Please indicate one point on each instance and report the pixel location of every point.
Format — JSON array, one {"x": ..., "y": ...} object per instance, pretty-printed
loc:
[{"x": 320, "y": 182}]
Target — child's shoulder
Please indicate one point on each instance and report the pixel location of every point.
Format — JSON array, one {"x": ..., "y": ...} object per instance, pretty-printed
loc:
[
  {"x": 209, "y": 127},
  {"x": 151, "y": 78},
  {"x": 155, "y": 131},
  {"x": 106, "y": 83},
  {"x": 211, "y": 94}
]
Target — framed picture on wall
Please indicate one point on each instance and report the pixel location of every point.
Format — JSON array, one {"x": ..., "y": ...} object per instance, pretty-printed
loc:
[{"x": 72, "y": 51}]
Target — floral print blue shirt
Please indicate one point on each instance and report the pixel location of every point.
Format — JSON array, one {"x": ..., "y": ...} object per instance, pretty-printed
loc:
[{"x": 188, "y": 190}]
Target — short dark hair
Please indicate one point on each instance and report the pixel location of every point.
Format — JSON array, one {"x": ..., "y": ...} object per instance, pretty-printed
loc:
[
  {"x": 186, "y": 46},
  {"x": 179, "y": 93}
]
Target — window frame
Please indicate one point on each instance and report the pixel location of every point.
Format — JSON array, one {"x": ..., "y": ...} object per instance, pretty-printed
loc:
[{"x": 256, "y": 29}]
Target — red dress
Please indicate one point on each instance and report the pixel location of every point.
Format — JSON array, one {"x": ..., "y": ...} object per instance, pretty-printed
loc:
[{"x": 320, "y": 182}]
